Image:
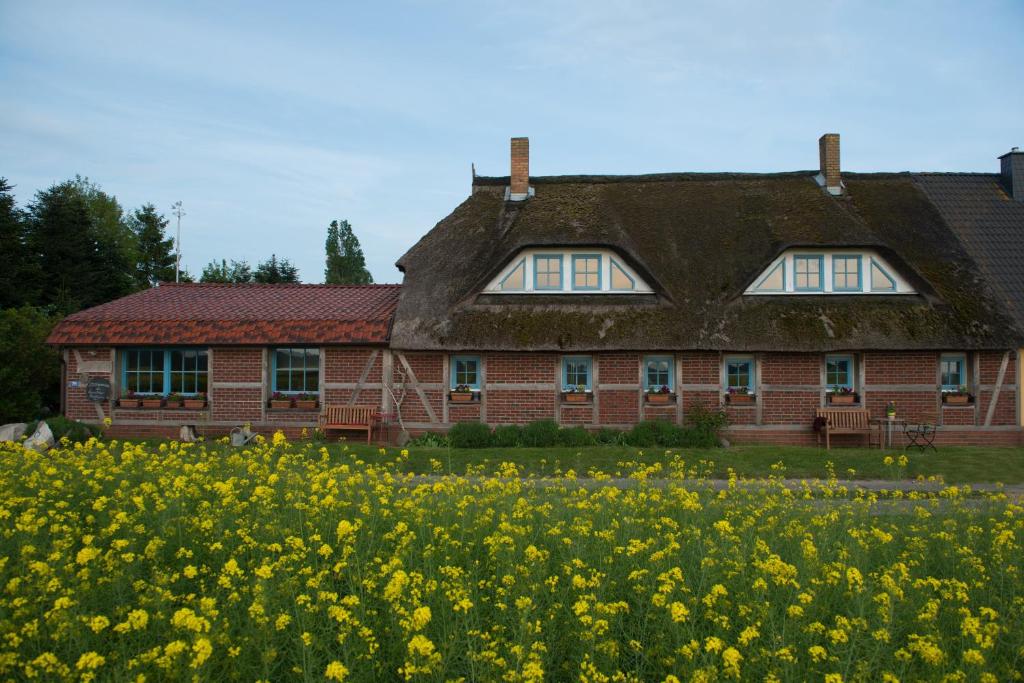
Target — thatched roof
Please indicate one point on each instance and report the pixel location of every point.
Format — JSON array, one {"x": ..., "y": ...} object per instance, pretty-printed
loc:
[{"x": 699, "y": 240}]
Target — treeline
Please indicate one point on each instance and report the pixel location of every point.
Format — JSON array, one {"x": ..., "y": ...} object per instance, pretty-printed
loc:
[{"x": 73, "y": 247}]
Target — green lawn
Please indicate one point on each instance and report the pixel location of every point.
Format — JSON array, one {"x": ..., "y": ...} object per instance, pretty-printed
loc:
[{"x": 954, "y": 464}]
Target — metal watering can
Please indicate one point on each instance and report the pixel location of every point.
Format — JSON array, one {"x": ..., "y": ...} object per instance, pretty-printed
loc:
[{"x": 241, "y": 436}]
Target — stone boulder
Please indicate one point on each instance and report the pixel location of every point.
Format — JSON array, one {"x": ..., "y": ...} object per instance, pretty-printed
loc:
[{"x": 12, "y": 431}]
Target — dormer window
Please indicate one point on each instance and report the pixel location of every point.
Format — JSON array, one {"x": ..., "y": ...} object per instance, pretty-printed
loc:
[
  {"x": 547, "y": 271},
  {"x": 833, "y": 271},
  {"x": 567, "y": 271}
]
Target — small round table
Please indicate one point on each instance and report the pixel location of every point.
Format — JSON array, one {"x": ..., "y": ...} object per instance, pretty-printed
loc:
[{"x": 886, "y": 427}]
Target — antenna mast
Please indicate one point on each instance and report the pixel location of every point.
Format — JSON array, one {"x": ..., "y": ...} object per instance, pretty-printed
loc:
[{"x": 176, "y": 210}]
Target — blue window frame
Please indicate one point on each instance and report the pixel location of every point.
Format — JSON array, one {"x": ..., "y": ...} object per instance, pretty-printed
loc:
[
  {"x": 620, "y": 280},
  {"x": 952, "y": 369},
  {"x": 658, "y": 372},
  {"x": 576, "y": 371},
  {"x": 586, "y": 271},
  {"x": 839, "y": 372},
  {"x": 465, "y": 370},
  {"x": 880, "y": 280},
  {"x": 739, "y": 374},
  {"x": 774, "y": 280},
  {"x": 295, "y": 371},
  {"x": 164, "y": 371},
  {"x": 846, "y": 273},
  {"x": 516, "y": 278},
  {"x": 807, "y": 273},
  {"x": 547, "y": 271}
]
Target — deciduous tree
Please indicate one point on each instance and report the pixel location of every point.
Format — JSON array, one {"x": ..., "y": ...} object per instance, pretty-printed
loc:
[{"x": 346, "y": 264}]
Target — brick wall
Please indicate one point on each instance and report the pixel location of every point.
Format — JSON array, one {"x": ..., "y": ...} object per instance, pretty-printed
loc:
[{"x": 523, "y": 387}]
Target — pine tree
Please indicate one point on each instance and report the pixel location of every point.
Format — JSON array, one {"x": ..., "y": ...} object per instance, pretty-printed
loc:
[
  {"x": 274, "y": 271},
  {"x": 62, "y": 238},
  {"x": 18, "y": 277},
  {"x": 238, "y": 272},
  {"x": 346, "y": 264},
  {"x": 155, "y": 250}
]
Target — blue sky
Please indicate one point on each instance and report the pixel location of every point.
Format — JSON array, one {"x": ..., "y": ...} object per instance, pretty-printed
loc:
[{"x": 268, "y": 120}]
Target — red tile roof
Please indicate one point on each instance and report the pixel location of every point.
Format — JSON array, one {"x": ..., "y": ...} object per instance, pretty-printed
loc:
[{"x": 237, "y": 314}]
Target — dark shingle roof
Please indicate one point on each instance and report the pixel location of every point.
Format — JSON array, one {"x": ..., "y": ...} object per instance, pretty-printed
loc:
[
  {"x": 699, "y": 240},
  {"x": 990, "y": 224},
  {"x": 237, "y": 314}
]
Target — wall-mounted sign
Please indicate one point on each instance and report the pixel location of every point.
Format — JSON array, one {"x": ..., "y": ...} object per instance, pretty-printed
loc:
[
  {"x": 73, "y": 384},
  {"x": 98, "y": 389}
]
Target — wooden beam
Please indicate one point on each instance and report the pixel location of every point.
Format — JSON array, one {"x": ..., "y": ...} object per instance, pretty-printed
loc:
[{"x": 999, "y": 387}]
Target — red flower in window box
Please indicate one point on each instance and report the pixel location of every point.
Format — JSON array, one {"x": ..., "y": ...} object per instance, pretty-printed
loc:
[
  {"x": 660, "y": 395},
  {"x": 195, "y": 402},
  {"x": 738, "y": 396},
  {"x": 279, "y": 401},
  {"x": 130, "y": 400},
  {"x": 462, "y": 393},
  {"x": 306, "y": 401}
]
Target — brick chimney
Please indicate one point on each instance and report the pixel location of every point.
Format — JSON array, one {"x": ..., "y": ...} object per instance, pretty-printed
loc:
[
  {"x": 828, "y": 154},
  {"x": 520, "y": 176},
  {"x": 1011, "y": 166}
]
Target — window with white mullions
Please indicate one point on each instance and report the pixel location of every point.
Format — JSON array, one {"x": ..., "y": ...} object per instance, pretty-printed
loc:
[
  {"x": 576, "y": 372},
  {"x": 188, "y": 371},
  {"x": 143, "y": 371},
  {"x": 807, "y": 273},
  {"x": 839, "y": 372},
  {"x": 164, "y": 371},
  {"x": 586, "y": 271},
  {"x": 547, "y": 272},
  {"x": 658, "y": 372},
  {"x": 952, "y": 372},
  {"x": 846, "y": 273},
  {"x": 296, "y": 371},
  {"x": 739, "y": 375},
  {"x": 466, "y": 372}
]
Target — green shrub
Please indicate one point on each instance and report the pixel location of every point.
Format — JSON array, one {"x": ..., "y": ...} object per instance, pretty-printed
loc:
[
  {"x": 30, "y": 370},
  {"x": 470, "y": 435},
  {"x": 540, "y": 434},
  {"x": 508, "y": 436},
  {"x": 706, "y": 425},
  {"x": 643, "y": 434},
  {"x": 575, "y": 436},
  {"x": 606, "y": 436},
  {"x": 430, "y": 440},
  {"x": 62, "y": 426}
]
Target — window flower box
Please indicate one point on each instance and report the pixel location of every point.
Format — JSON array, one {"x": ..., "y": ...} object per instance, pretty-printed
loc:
[
  {"x": 576, "y": 396},
  {"x": 306, "y": 402},
  {"x": 129, "y": 400},
  {"x": 152, "y": 402},
  {"x": 457, "y": 396},
  {"x": 197, "y": 402},
  {"x": 279, "y": 401},
  {"x": 738, "y": 398},
  {"x": 174, "y": 401},
  {"x": 957, "y": 399},
  {"x": 843, "y": 399},
  {"x": 658, "y": 398}
]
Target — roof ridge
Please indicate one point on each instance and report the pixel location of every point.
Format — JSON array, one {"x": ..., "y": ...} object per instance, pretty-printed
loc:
[{"x": 278, "y": 285}]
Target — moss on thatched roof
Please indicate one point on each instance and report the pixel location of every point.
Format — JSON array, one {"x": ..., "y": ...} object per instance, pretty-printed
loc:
[{"x": 699, "y": 240}]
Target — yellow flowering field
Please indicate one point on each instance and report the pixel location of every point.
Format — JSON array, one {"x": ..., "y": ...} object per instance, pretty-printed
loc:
[{"x": 281, "y": 562}]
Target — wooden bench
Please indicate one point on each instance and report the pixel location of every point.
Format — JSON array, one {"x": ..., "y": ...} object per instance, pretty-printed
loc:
[
  {"x": 844, "y": 421},
  {"x": 355, "y": 418}
]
